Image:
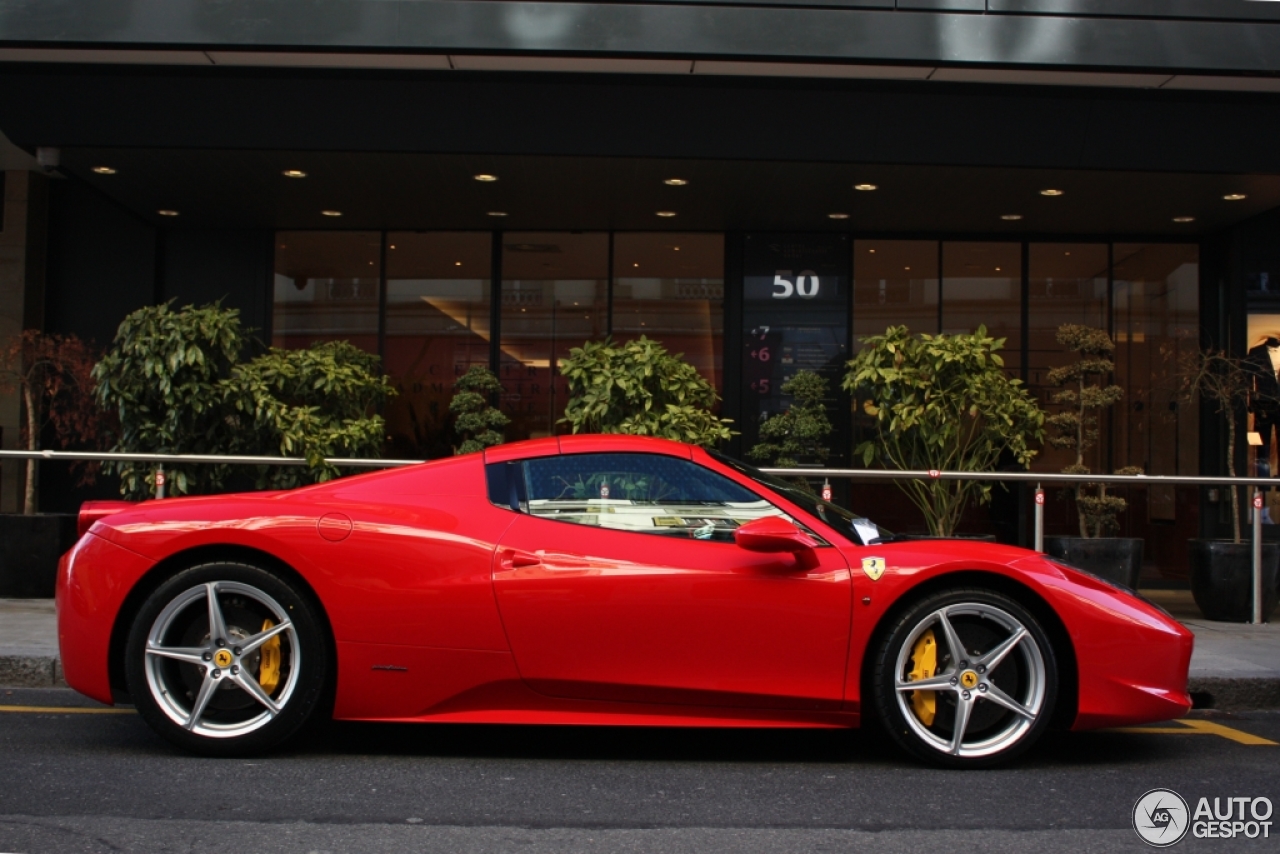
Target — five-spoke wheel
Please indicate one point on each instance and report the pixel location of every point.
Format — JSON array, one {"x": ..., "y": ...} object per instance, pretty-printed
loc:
[
  {"x": 966, "y": 678},
  {"x": 226, "y": 658}
]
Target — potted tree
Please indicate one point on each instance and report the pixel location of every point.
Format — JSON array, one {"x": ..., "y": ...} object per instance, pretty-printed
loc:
[
  {"x": 1075, "y": 428},
  {"x": 641, "y": 389},
  {"x": 942, "y": 403},
  {"x": 801, "y": 432},
  {"x": 478, "y": 424},
  {"x": 51, "y": 374},
  {"x": 178, "y": 384},
  {"x": 1222, "y": 570}
]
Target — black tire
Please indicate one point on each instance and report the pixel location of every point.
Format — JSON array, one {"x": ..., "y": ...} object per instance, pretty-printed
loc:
[
  {"x": 976, "y": 688},
  {"x": 251, "y": 690}
]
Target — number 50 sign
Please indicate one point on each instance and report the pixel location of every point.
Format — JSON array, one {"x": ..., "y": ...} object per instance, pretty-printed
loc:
[{"x": 805, "y": 285}]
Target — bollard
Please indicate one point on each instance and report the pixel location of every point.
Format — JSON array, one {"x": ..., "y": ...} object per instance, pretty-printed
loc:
[
  {"x": 1039, "y": 518},
  {"x": 1257, "y": 556},
  {"x": 160, "y": 481}
]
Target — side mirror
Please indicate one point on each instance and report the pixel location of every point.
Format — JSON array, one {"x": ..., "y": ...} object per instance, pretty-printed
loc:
[{"x": 772, "y": 534}]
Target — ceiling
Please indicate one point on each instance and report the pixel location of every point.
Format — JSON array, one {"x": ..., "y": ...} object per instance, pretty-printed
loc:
[{"x": 239, "y": 189}]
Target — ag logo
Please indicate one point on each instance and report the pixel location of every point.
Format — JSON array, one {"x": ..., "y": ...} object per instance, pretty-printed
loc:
[
  {"x": 1160, "y": 817},
  {"x": 873, "y": 567}
]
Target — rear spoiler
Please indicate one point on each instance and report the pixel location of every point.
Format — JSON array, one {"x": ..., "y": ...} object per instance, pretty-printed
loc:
[{"x": 92, "y": 511}]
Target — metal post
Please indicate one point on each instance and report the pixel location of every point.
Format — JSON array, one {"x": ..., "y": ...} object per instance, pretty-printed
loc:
[
  {"x": 1039, "y": 518},
  {"x": 160, "y": 481},
  {"x": 1257, "y": 556}
]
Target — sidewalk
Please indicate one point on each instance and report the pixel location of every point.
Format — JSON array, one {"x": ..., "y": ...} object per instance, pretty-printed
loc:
[{"x": 1235, "y": 666}]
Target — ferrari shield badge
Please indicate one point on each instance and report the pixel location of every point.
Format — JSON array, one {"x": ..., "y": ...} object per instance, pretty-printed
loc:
[{"x": 873, "y": 567}]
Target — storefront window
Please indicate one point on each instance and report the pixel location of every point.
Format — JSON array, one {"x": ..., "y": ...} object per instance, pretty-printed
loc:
[
  {"x": 437, "y": 326},
  {"x": 895, "y": 282},
  {"x": 670, "y": 287},
  {"x": 554, "y": 297},
  {"x": 326, "y": 288},
  {"x": 982, "y": 286}
]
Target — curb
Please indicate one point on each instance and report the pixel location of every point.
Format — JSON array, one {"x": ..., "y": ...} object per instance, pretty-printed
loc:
[
  {"x": 31, "y": 671},
  {"x": 45, "y": 671}
]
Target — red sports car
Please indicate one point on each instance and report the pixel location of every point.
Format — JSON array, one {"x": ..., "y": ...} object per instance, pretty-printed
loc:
[{"x": 593, "y": 580}]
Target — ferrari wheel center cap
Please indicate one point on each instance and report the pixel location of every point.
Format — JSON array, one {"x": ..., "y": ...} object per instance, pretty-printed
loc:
[
  {"x": 969, "y": 679},
  {"x": 223, "y": 658}
]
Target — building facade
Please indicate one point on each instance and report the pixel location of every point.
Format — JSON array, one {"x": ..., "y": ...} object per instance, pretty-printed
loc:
[{"x": 458, "y": 182}]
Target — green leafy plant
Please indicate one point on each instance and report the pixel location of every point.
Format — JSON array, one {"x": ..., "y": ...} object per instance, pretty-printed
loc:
[
  {"x": 799, "y": 433},
  {"x": 477, "y": 423},
  {"x": 641, "y": 389},
  {"x": 1076, "y": 426},
  {"x": 942, "y": 403},
  {"x": 54, "y": 376},
  {"x": 177, "y": 383},
  {"x": 1225, "y": 382},
  {"x": 319, "y": 402}
]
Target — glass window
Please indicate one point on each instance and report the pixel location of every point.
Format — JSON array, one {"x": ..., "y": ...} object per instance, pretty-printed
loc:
[
  {"x": 640, "y": 493},
  {"x": 982, "y": 286},
  {"x": 438, "y": 286},
  {"x": 326, "y": 288},
  {"x": 1068, "y": 284},
  {"x": 554, "y": 297},
  {"x": 895, "y": 282},
  {"x": 670, "y": 287}
]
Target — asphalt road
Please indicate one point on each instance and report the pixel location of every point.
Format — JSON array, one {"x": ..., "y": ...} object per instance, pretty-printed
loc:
[{"x": 92, "y": 782}]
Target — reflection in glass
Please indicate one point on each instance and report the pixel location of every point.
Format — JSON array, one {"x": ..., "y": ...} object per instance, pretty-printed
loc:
[
  {"x": 554, "y": 297},
  {"x": 982, "y": 285},
  {"x": 437, "y": 327},
  {"x": 670, "y": 287},
  {"x": 1068, "y": 284},
  {"x": 895, "y": 282},
  {"x": 326, "y": 288}
]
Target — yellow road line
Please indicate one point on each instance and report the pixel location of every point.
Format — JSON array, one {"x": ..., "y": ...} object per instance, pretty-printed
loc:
[
  {"x": 65, "y": 710},
  {"x": 1199, "y": 727}
]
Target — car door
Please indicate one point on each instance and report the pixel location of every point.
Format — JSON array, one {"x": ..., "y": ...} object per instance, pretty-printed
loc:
[{"x": 619, "y": 580}]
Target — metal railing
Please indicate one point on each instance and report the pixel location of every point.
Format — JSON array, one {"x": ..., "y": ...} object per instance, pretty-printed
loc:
[{"x": 1038, "y": 478}]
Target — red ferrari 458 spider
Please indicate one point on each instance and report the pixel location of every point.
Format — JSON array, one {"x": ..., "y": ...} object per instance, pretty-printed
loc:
[{"x": 593, "y": 580}]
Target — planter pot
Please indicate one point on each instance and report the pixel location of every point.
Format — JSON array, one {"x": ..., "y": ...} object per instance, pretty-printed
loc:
[
  {"x": 1222, "y": 579},
  {"x": 30, "y": 547},
  {"x": 1117, "y": 559}
]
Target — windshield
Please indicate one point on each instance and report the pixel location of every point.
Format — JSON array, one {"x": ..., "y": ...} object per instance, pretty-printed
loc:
[{"x": 860, "y": 529}]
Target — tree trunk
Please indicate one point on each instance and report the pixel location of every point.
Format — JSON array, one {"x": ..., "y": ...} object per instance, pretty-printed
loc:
[
  {"x": 33, "y": 440},
  {"x": 1231, "y": 470}
]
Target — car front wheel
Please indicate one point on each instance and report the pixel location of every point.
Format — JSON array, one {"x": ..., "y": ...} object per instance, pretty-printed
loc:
[
  {"x": 966, "y": 678},
  {"x": 226, "y": 659}
]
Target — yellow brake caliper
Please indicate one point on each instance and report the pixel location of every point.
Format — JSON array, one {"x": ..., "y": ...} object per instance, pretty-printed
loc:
[
  {"x": 924, "y": 663},
  {"x": 269, "y": 668}
]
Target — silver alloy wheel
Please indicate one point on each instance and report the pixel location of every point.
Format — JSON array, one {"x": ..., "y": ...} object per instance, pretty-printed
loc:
[
  {"x": 968, "y": 679},
  {"x": 225, "y": 658}
]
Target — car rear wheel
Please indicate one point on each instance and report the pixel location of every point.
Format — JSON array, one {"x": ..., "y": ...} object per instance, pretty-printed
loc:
[
  {"x": 226, "y": 659},
  {"x": 966, "y": 678}
]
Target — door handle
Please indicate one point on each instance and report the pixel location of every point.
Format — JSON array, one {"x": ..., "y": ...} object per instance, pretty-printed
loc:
[{"x": 519, "y": 560}]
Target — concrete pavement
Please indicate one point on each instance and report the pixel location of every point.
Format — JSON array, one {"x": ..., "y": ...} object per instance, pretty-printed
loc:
[{"x": 1235, "y": 665}]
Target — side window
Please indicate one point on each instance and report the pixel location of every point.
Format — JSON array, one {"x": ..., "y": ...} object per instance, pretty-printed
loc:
[{"x": 639, "y": 493}]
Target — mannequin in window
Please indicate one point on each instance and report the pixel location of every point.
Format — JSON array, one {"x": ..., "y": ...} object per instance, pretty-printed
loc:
[{"x": 1263, "y": 362}]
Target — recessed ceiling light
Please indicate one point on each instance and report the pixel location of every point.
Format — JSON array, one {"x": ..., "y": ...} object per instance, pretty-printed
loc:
[
  {"x": 666, "y": 213},
  {"x": 675, "y": 182},
  {"x": 675, "y": 248},
  {"x": 1051, "y": 192},
  {"x": 997, "y": 269},
  {"x": 1235, "y": 197},
  {"x": 866, "y": 188},
  {"x": 393, "y": 246},
  {"x": 331, "y": 213},
  {"x": 906, "y": 268},
  {"x": 1011, "y": 217},
  {"x": 635, "y": 265},
  {"x": 837, "y": 216},
  {"x": 497, "y": 213},
  {"x": 167, "y": 212},
  {"x": 104, "y": 170},
  {"x": 486, "y": 178},
  {"x": 457, "y": 263},
  {"x": 294, "y": 173},
  {"x": 1184, "y": 219}
]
